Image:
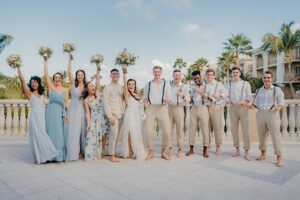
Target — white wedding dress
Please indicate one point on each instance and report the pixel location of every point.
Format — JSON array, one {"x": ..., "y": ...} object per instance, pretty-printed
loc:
[{"x": 133, "y": 127}]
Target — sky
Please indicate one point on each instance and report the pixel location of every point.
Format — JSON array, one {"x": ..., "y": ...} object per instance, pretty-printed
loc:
[{"x": 158, "y": 31}]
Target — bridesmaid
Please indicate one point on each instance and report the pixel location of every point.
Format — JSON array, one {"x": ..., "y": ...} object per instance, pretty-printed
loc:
[
  {"x": 97, "y": 122},
  {"x": 41, "y": 146},
  {"x": 56, "y": 112},
  {"x": 76, "y": 115}
]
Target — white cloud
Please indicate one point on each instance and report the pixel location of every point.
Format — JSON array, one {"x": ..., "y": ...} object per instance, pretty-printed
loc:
[
  {"x": 296, "y": 26},
  {"x": 193, "y": 30},
  {"x": 176, "y": 4}
]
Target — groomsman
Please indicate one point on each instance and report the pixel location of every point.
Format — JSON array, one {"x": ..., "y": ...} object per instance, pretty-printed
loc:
[
  {"x": 239, "y": 97},
  {"x": 215, "y": 95},
  {"x": 179, "y": 98},
  {"x": 114, "y": 110},
  {"x": 199, "y": 115},
  {"x": 157, "y": 95},
  {"x": 269, "y": 100}
]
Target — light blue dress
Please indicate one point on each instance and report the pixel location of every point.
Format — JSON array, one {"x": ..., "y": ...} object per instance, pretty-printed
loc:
[
  {"x": 99, "y": 125},
  {"x": 41, "y": 145},
  {"x": 55, "y": 114},
  {"x": 76, "y": 126}
]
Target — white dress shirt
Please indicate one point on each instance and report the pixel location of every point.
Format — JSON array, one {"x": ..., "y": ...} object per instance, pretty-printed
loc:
[
  {"x": 266, "y": 98},
  {"x": 179, "y": 94},
  {"x": 239, "y": 91},
  {"x": 217, "y": 88},
  {"x": 195, "y": 94},
  {"x": 155, "y": 93}
]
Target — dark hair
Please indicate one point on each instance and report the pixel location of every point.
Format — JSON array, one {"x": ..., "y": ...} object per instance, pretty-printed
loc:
[
  {"x": 269, "y": 72},
  {"x": 85, "y": 92},
  {"x": 195, "y": 73},
  {"x": 40, "y": 88},
  {"x": 176, "y": 70},
  {"x": 114, "y": 70},
  {"x": 135, "y": 89},
  {"x": 236, "y": 68},
  {"x": 157, "y": 67},
  {"x": 210, "y": 70},
  {"x": 61, "y": 75},
  {"x": 76, "y": 80}
]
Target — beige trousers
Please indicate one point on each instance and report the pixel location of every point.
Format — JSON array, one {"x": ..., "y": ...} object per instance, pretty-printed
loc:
[
  {"x": 216, "y": 113},
  {"x": 176, "y": 116},
  {"x": 271, "y": 120},
  {"x": 114, "y": 133},
  {"x": 159, "y": 113},
  {"x": 199, "y": 118},
  {"x": 238, "y": 114}
]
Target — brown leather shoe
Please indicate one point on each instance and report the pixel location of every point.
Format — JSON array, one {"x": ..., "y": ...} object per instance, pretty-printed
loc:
[{"x": 205, "y": 152}]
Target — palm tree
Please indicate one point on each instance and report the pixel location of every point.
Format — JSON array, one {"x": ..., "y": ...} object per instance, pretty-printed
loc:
[
  {"x": 199, "y": 64},
  {"x": 179, "y": 63},
  {"x": 4, "y": 41},
  {"x": 286, "y": 40},
  {"x": 238, "y": 45},
  {"x": 225, "y": 61}
]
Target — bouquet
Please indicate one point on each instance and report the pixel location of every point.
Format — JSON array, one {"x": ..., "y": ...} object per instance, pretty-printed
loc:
[
  {"x": 125, "y": 58},
  {"x": 69, "y": 48},
  {"x": 97, "y": 59},
  {"x": 46, "y": 52},
  {"x": 14, "y": 61}
]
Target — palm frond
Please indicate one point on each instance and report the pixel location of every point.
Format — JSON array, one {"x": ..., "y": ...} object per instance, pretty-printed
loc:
[{"x": 4, "y": 41}]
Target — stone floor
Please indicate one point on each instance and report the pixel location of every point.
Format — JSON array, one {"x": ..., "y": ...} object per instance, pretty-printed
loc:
[{"x": 219, "y": 177}]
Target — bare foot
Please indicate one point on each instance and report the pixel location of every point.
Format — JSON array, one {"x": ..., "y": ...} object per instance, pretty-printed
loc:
[
  {"x": 237, "y": 153},
  {"x": 132, "y": 156},
  {"x": 190, "y": 152},
  {"x": 179, "y": 154},
  {"x": 149, "y": 156},
  {"x": 113, "y": 159},
  {"x": 261, "y": 157},
  {"x": 247, "y": 155},
  {"x": 279, "y": 161},
  {"x": 164, "y": 156},
  {"x": 218, "y": 150}
]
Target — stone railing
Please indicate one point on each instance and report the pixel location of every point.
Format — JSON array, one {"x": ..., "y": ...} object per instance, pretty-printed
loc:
[{"x": 14, "y": 121}]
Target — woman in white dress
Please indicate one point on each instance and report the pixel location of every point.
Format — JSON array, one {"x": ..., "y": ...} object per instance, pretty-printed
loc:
[{"x": 132, "y": 144}]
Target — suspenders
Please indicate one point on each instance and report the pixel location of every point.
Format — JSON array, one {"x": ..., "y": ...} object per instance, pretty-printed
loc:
[
  {"x": 274, "y": 98},
  {"x": 163, "y": 93},
  {"x": 241, "y": 92}
]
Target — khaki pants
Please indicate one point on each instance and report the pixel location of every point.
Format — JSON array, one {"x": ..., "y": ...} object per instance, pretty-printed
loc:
[
  {"x": 176, "y": 115},
  {"x": 159, "y": 113},
  {"x": 216, "y": 113},
  {"x": 114, "y": 133},
  {"x": 199, "y": 114},
  {"x": 238, "y": 114},
  {"x": 271, "y": 120}
]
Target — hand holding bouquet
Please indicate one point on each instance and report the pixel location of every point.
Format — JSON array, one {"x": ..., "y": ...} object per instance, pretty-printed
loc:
[
  {"x": 14, "y": 61},
  {"x": 69, "y": 48},
  {"x": 46, "y": 52}
]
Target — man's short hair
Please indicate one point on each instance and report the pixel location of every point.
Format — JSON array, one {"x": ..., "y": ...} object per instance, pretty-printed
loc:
[
  {"x": 269, "y": 72},
  {"x": 157, "y": 67},
  {"x": 195, "y": 73},
  {"x": 176, "y": 70},
  {"x": 236, "y": 68},
  {"x": 210, "y": 70},
  {"x": 114, "y": 70}
]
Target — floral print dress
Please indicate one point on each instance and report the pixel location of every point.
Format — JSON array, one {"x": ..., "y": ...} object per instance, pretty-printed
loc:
[{"x": 99, "y": 125}]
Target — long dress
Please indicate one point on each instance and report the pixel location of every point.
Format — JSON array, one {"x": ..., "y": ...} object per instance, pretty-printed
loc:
[
  {"x": 133, "y": 127},
  {"x": 41, "y": 145},
  {"x": 55, "y": 114},
  {"x": 76, "y": 126},
  {"x": 98, "y": 126}
]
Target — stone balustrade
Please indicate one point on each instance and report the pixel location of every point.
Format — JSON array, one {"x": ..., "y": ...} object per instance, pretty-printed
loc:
[{"x": 14, "y": 121}]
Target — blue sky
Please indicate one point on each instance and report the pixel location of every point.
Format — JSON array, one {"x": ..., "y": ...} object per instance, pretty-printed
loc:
[{"x": 158, "y": 31}]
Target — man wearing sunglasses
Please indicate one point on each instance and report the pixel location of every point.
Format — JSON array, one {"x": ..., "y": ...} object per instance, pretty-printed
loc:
[{"x": 269, "y": 100}]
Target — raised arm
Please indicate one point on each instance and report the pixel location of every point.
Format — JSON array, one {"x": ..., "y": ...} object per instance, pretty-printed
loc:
[
  {"x": 25, "y": 90},
  {"x": 87, "y": 114},
  {"x": 50, "y": 86},
  {"x": 71, "y": 78},
  {"x": 125, "y": 85},
  {"x": 98, "y": 86}
]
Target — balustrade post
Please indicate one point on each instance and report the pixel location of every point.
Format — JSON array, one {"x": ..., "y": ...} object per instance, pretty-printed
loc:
[
  {"x": 228, "y": 123},
  {"x": 16, "y": 119},
  {"x": 8, "y": 121},
  {"x": 23, "y": 120},
  {"x": 292, "y": 120},
  {"x": 284, "y": 121},
  {"x": 298, "y": 120},
  {"x": 2, "y": 119}
]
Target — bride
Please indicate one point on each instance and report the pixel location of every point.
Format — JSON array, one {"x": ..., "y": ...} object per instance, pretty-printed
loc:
[{"x": 132, "y": 144}]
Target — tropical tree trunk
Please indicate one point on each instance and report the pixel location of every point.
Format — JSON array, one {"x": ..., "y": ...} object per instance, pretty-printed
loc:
[
  {"x": 227, "y": 74},
  {"x": 236, "y": 58}
]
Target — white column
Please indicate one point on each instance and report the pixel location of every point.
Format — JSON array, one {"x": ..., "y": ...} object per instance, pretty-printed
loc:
[
  {"x": 22, "y": 120},
  {"x": 2, "y": 119},
  {"x": 265, "y": 61},
  {"x": 298, "y": 120},
  {"x": 284, "y": 121},
  {"x": 280, "y": 68},
  {"x": 254, "y": 71},
  {"x": 292, "y": 120},
  {"x": 8, "y": 120},
  {"x": 16, "y": 119}
]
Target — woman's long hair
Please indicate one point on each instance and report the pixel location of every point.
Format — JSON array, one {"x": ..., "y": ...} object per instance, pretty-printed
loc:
[
  {"x": 40, "y": 88},
  {"x": 76, "y": 80},
  {"x": 135, "y": 89},
  {"x": 85, "y": 92}
]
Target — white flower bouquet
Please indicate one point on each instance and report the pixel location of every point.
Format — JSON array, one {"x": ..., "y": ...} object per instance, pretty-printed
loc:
[
  {"x": 14, "y": 61},
  {"x": 69, "y": 48},
  {"x": 97, "y": 59},
  {"x": 46, "y": 52},
  {"x": 125, "y": 58}
]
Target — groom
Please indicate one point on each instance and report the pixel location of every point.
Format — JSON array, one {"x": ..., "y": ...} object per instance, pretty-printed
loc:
[
  {"x": 114, "y": 110},
  {"x": 157, "y": 95}
]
